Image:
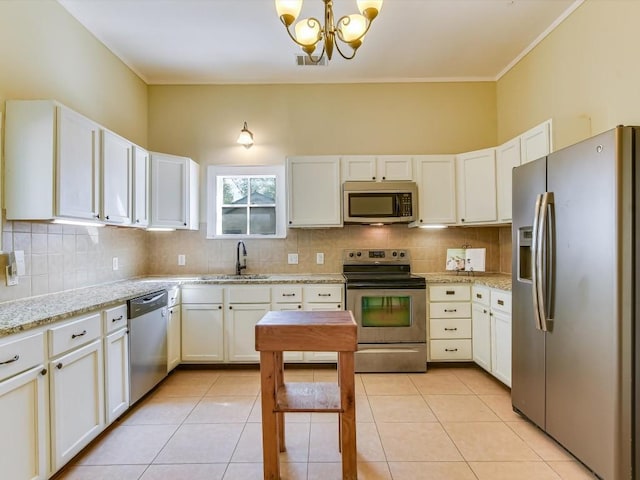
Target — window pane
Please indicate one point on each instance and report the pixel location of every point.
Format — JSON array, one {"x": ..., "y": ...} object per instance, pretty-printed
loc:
[
  {"x": 379, "y": 311},
  {"x": 263, "y": 190},
  {"x": 235, "y": 190},
  {"x": 234, "y": 220},
  {"x": 262, "y": 220}
]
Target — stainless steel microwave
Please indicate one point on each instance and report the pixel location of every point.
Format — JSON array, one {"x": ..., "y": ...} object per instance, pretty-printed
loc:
[{"x": 379, "y": 202}]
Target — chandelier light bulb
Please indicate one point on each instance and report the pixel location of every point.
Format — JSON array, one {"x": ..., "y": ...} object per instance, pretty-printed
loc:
[
  {"x": 288, "y": 10},
  {"x": 353, "y": 27},
  {"x": 307, "y": 31}
]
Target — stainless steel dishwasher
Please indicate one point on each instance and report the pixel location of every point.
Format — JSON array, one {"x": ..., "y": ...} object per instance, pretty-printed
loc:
[{"x": 147, "y": 317}]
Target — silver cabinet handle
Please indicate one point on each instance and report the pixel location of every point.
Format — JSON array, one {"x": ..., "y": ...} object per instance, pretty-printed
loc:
[
  {"x": 76, "y": 335},
  {"x": 11, "y": 360}
]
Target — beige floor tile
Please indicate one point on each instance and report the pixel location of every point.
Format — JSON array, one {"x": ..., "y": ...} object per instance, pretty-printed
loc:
[
  {"x": 98, "y": 472},
  {"x": 325, "y": 375},
  {"x": 481, "y": 383},
  {"x": 191, "y": 375},
  {"x": 489, "y": 441},
  {"x": 540, "y": 442},
  {"x": 501, "y": 405},
  {"x": 303, "y": 375},
  {"x": 333, "y": 471},
  {"x": 252, "y": 371},
  {"x": 128, "y": 444},
  {"x": 417, "y": 442},
  {"x": 571, "y": 470},
  {"x": 363, "y": 409},
  {"x": 460, "y": 408},
  {"x": 439, "y": 384},
  {"x": 401, "y": 408},
  {"x": 297, "y": 443},
  {"x": 235, "y": 385},
  {"x": 244, "y": 471},
  {"x": 180, "y": 388},
  {"x": 221, "y": 409},
  {"x": 294, "y": 417},
  {"x": 249, "y": 448},
  {"x": 368, "y": 443},
  {"x": 201, "y": 443},
  {"x": 431, "y": 471},
  {"x": 513, "y": 471},
  {"x": 161, "y": 410},
  {"x": 388, "y": 384},
  {"x": 293, "y": 471},
  {"x": 185, "y": 471},
  {"x": 328, "y": 417},
  {"x": 323, "y": 444}
]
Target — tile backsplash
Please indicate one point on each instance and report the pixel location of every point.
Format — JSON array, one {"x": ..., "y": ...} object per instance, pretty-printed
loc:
[{"x": 61, "y": 257}]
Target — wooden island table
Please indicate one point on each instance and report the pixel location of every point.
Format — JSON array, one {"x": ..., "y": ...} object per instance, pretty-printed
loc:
[{"x": 329, "y": 331}]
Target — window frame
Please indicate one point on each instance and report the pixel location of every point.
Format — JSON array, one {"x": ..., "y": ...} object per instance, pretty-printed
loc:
[{"x": 214, "y": 208}]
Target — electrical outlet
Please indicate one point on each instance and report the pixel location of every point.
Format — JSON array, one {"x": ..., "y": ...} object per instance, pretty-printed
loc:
[
  {"x": 292, "y": 259},
  {"x": 320, "y": 258},
  {"x": 182, "y": 260},
  {"x": 114, "y": 263}
]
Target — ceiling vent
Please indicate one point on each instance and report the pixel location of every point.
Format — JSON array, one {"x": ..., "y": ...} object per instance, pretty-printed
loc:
[{"x": 305, "y": 61}]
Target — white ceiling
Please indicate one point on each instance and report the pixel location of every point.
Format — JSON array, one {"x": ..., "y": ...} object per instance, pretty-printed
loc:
[{"x": 243, "y": 41}]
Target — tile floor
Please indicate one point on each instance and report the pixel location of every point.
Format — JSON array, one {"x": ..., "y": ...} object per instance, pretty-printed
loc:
[{"x": 448, "y": 424}]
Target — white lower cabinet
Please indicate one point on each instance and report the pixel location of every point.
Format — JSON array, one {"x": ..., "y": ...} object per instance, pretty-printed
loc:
[
  {"x": 481, "y": 320},
  {"x": 241, "y": 322},
  {"x": 202, "y": 333},
  {"x": 288, "y": 297},
  {"x": 323, "y": 298},
  {"x": 76, "y": 401},
  {"x": 116, "y": 360},
  {"x": 449, "y": 322},
  {"x": 23, "y": 409},
  {"x": 174, "y": 326}
]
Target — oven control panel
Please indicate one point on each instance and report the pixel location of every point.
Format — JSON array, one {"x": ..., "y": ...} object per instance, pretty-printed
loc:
[{"x": 375, "y": 256}]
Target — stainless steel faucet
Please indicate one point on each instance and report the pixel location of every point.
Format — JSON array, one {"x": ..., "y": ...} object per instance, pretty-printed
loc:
[{"x": 239, "y": 266}]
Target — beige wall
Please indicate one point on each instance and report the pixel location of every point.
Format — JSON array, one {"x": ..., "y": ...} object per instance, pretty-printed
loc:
[{"x": 585, "y": 76}]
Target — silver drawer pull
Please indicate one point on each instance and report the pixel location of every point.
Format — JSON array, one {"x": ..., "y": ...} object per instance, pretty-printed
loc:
[
  {"x": 324, "y": 294},
  {"x": 450, "y": 329},
  {"x": 450, "y": 349},
  {"x": 450, "y": 292},
  {"x": 500, "y": 302},
  {"x": 76, "y": 335},
  {"x": 11, "y": 360},
  {"x": 450, "y": 310},
  {"x": 288, "y": 294},
  {"x": 117, "y": 319}
]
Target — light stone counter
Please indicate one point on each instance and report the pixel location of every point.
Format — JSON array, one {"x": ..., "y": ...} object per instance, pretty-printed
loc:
[
  {"x": 501, "y": 281},
  {"x": 28, "y": 313}
]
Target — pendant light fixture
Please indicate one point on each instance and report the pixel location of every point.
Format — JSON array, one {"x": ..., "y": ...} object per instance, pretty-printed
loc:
[
  {"x": 246, "y": 137},
  {"x": 309, "y": 32}
]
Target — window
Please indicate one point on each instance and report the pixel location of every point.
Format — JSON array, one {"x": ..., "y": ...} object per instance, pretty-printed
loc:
[{"x": 245, "y": 202}]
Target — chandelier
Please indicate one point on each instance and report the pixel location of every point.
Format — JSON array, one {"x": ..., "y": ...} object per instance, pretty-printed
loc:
[{"x": 309, "y": 32}]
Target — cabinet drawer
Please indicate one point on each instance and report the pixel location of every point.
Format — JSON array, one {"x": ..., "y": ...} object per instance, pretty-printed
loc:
[
  {"x": 173, "y": 297},
  {"x": 501, "y": 300},
  {"x": 249, "y": 294},
  {"x": 323, "y": 293},
  {"x": 287, "y": 294},
  {"x": 450, "y": 328},
  {"x": 448, "y": 293},
  {"x": 74, "y": 334},
  {"x": 450, "y": 310},
  {"x": 201, "y": 294},
  {"x": 450, "y": 349},
  {"x": 480, "y": 294},
  {"x": 115, "y": 318},
  {"x": 21, "y": 354}
]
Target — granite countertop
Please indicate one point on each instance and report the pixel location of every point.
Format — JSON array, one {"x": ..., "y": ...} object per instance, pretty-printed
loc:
[
  {"x": 501, "y": 281},
  {"x": 25, "y": 314}
]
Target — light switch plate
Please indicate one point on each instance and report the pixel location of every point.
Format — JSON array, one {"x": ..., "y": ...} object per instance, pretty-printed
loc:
[
  {"x": 320, "y": 258},
  {"x": 292, "y": 259},
  {"x": 114, "y": 263},
  {"x": 182, "y": 260}
]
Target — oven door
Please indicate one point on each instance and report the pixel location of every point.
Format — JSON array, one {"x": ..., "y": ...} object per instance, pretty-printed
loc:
[{"x": 389, "y": 315}]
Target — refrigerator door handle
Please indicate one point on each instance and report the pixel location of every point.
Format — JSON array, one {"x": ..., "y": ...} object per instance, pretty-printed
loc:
[
  {"x": 536, "y": 251},
  {"x": 549, "y": 252},
  {"x": 542, "y": 264}
]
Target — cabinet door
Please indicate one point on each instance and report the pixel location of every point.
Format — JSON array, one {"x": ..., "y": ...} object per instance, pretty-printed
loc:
[
  {"x": 507, "y": 158},
  {"x": 23, "y": 418},
  {"x": 116, "y": 358},
  {"x": 481, "y": 336},
  {"x": 535, "y": 143},
  {"x": 394, "y": 167},
  {"x": 202, "y": 333},
  {"x": 169, "y": 191},
  {"x": 314, "y": 192},
  {"x": 77, "y": 166},
  {"x": 436, "y": 179},
  {"x": 141, "y": 186},
  {"x": 240, "y": 323},
  {"x": 117, "y": 170},
  {"x": 173, "y": 338},
  {"x": 477, "y": 186},
  {"x": 359, "y": 168},
  {"x": 501, "y": 346},
  {"x": 76, "y": 400}
]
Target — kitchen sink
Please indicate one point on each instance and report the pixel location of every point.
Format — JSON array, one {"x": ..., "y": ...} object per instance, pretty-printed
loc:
[{"x": 248, "y": 276}]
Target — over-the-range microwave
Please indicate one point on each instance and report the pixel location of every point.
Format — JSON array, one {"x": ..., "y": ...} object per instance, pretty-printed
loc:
[{"x": 379, "y": 202}]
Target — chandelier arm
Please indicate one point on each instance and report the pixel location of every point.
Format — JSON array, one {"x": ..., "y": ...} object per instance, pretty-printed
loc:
[
  {"x": 342, "y": 54},
  {"x": 345, "y": 20},
  {"x": 292, "y": 36}
]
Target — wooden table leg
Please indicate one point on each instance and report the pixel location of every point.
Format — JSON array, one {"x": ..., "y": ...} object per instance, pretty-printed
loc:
[
  {"x": 279, "y": 383},
  {"x": 269, "y": 424},
  {"x": 348, "y": 416}
]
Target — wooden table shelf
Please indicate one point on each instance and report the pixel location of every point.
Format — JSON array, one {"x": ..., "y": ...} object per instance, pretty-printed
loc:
[{"x": 280, "y": 331}]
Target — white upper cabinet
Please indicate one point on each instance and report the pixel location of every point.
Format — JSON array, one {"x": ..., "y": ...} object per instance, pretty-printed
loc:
[
  {"x": 51, "y": 162},
  {"x": 377, "y": 168},
  {"x": 117, "y": 169},
  {"x": 174, "y": 192},
  {"x": 535, "y": 143},
  {"x": 507, "y": 158},
  {"x": 314, "y": 192},
  {"x": 436, "y": 179},
  {"x": 141, "y": 186},
  {"x": 477, "y": 186}
]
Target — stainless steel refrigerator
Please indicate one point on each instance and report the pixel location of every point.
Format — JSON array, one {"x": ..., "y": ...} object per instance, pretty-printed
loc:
[{"x": 575, "y": 297}]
